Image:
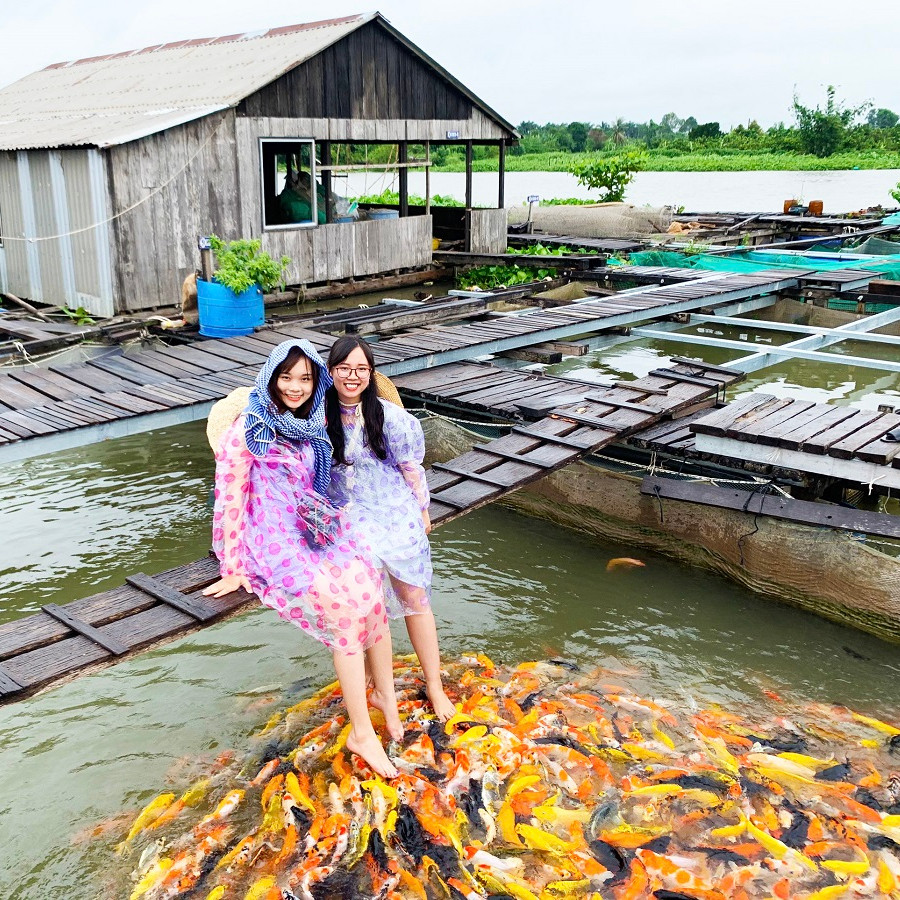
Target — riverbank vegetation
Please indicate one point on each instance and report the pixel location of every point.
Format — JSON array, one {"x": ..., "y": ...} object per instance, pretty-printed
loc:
[{"x": 828, "y": 136}]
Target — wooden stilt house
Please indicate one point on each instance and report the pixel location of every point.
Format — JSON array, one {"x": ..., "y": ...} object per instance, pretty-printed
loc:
[{"x": 111, "y": 167}]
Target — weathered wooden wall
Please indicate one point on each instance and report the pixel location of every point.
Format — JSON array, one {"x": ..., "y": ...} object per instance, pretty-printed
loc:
[
  {"x": 333, "y": 252},
  {"x": 156, "y": 242},
  {"x": 50, "y": 194},
  {"x": 370, "y": 76},
  {"x": 488, "y": 230}
]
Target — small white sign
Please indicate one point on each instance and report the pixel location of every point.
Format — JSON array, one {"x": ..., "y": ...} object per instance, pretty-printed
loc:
[
  {"x": 452, "y": 135},
  {"x": 533, "y": 198}
]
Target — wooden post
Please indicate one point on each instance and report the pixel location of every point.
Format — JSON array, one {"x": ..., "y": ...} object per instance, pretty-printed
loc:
[
  {"x": 501, "y": 192},
  {"x": 468, "y": 241},
  {"x": 427, "y": 178},
  {"x": 403, "y": 158},
  {"x": 326, "y": 182}
]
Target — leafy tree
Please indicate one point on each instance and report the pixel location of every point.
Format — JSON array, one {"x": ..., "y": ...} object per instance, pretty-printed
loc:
[
  {"x": 687, "y": 125},
  {"x": 882, "y": 118},
  {"x": 578, "y": 132},
  {"x": 707, "y": 130},
  {"x": 823, "y": 131},
  {"x": 618, "y": 132},
  {"x": 527, "y": 128},
  {"x": 609, "y": 174}
]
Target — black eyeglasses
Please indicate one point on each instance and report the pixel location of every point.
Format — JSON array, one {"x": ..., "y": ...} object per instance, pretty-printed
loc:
[{"x": 347, "y": 371}]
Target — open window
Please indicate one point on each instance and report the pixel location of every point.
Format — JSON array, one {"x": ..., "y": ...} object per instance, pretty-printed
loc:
[{"x": 291, "y": 196}]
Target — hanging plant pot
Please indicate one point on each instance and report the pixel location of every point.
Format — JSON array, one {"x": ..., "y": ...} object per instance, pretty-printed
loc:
[{"x": 223, "y": 313}]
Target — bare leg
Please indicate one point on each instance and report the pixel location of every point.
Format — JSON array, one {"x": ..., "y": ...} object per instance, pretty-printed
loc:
[
  {"x": 423, "y": 634},
  {"x": 362, "y": 739},
  {"x": 381, "y": 667}
]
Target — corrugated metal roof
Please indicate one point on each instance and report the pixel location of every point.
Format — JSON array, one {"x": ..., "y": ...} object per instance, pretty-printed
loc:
[{"x": 108, "y": 100}]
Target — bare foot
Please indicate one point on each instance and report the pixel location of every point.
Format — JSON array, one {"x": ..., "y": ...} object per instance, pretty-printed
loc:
[
  {"x": 443, "y": 706},
  {"x": 370, "y": 749},
  {"x": 388, "y": 706}
]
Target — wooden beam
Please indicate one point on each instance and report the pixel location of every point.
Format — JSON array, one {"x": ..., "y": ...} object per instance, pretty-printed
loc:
[
  {"x": 775, "y": 506},
  {"x": 468, "y": 236},
  {"x": 325, "y": 169},
  {"x": 403, "y": 175},
  {"x": 170, "y": 597},
  {"x": 84, "y": 629},
  {"x": 501, "y": 187}
]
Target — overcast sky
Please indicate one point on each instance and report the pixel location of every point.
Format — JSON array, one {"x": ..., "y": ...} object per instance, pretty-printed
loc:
[{"x": 717, "y": 60}]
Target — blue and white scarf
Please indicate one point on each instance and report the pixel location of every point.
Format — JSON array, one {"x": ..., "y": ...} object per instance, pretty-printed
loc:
[{"x": 263, "y": 423}]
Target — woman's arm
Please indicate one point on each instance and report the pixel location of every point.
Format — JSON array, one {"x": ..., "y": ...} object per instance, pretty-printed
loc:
[{"x": 406, "y": 449}]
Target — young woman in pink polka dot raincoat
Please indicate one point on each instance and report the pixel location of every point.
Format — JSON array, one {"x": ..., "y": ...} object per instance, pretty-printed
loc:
[{"x": 276, "y": 534}]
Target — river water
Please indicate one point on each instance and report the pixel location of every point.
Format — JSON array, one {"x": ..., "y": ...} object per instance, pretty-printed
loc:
[
  {"x": 840, "y": 191},
  {"x": 515, "y": 588}
]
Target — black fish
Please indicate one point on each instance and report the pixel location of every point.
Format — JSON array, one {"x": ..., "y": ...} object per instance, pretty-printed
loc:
[
  {"x": 432, "y": 775},
  {"x": 410, "y": 833},
  {"x": 723, "y": 855},
  {"x": 303, "y": 819},
  {"x": 663, "y": 894},
  {"x": 562, "y": 740},
  {"x": 704, "y": 782},
  {"x": 529, "y": 701},
  {"x": 797, "y": 833},
  {"x": 882, "y": 842},
  {"x": 611, "y": 858},
  {"x": 753, "y": 788},
  {"x": 839, "y": 772},
  {"x": 438, "y": 738},
  {"x": 659, "y": 844},
  {"x": 446, "y": 858},
  {"x": 894, "y": 744},
  {"x": 565, "y": 664},
  {"x": 851, "y": 652},
  {"x": 471, "y": 801},
  {"x": 377, "y": 849},
  {"x": 788, "y": 743},
  {"x": 276, "y": 749},
  {"x": 867, "y": 798},
  {"x": 339, "y": 883}
]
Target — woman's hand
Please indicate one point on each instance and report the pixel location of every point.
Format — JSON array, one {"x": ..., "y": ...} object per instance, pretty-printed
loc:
[
  {"x": 228, "y": 585},
  {"x": 426, "y": 521}
]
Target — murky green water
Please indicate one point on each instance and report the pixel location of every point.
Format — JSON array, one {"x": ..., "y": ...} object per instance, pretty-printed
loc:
[{"x": 512, "y": 587}]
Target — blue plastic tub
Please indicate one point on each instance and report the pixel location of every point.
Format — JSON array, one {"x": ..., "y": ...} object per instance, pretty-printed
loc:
[
  {"x": 383, "y": 214},
  {"x": 225, "y": 314}
]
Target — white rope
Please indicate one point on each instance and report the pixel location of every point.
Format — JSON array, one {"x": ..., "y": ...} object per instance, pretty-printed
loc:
[{"x": 150, "y": 196}]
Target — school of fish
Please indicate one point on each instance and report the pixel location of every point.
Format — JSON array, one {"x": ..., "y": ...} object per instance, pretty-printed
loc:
[{"x": 549, "y": 783}]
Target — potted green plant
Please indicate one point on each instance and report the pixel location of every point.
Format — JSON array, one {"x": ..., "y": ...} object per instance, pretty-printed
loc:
[{"x": 232, "y": 303}]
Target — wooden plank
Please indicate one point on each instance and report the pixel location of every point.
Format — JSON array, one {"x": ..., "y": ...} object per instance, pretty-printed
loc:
[
  {"x": 554, "y": 439},
  {"x": 464, "y": 473},
  {"x": 872, "y": 433},
  {"x": 700, "y": 364},
  {"x": 820, "y": 443},
  {"x": 752, "y": 425},
  {"x": 791, "y": 434},
  {"x": 607, "y": 399},
  {"x": 8, "y": 684},
  {"x": 635, "y": 386},
  {"x": 170, "y": 597},
  {"x": 690, "y": 379},
  {"x": 80, "y": 627},
  {"x": 801, "y": 511},
  {"x": 718, "y": 422}
]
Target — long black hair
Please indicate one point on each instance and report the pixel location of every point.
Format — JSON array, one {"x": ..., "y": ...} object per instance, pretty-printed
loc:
[
  {"x": 372, "y": 410},
  {"x": 295, "y": 354}
]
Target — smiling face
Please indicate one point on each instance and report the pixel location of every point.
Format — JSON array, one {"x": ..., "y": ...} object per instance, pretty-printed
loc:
[
  {"x": 295, "y": 386},
  {"x": 351, "y": 377}
]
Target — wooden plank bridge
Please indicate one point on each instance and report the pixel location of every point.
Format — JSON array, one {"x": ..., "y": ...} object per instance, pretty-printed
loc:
[
  {"x": 43, "y": 410},
  {"x": 58, "y": 642}
]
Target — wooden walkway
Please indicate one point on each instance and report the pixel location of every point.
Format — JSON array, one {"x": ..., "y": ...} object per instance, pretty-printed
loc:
[
  {"x": 47, "y": 409},
  {"x": 795, "y": 435},
  {"x": 59, "y": 642}
]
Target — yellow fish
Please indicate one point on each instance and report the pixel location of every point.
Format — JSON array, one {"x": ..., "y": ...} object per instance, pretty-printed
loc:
[
  {"x": 776, "y": 847},
  {"x": 727, "y": 831},
  {"x": 565, "y": 888},
  {"x": 217, "y": 893},
  {"x": 149, "y": 814},
  {"x": 876, "y": 723},
  {"x": 227, "y": 805},
  {"x": 292, "y": 785},
  {"x": 155, "y": 874},
  {"x": 506, "y": 819},
  {"x": 847, "y": 868},
  {"x": 519, "y": 784},
  {"x": 829, "y": 893},
  {"x": 471, "y": 734},
  {"x": 260, "y": 889},
  {"x": 538, "y": 839}
]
